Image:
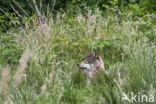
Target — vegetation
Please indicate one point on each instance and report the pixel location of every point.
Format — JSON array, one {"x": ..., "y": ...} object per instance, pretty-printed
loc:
[{"x": 38, "y": 62}]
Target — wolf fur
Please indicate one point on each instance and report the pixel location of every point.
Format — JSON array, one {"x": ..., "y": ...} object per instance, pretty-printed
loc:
[{"x": 92, "y": 64}]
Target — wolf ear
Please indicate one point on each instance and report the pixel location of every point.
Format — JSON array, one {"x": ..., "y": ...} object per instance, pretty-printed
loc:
[
  {"x": 96, "y": 55},
  {"x": 91, "y": 53}
]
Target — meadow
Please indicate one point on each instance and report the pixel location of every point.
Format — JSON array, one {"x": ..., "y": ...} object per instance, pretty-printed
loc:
[{"x": 39, "y": 61}]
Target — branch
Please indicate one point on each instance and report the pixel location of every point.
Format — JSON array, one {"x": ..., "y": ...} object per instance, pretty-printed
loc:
[
  {"x": 15, "y": 10},
  {"x": 2, "y": 10},
  {"x": 20, "y": 7},
  {"x": 36, "y": 8}
]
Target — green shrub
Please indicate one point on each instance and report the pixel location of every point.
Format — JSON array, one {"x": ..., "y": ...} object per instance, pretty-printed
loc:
[{"x": 9, "y": 51}]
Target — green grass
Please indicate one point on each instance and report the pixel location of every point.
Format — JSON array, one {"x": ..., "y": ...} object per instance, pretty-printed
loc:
[{"x": 127, "y": 45}]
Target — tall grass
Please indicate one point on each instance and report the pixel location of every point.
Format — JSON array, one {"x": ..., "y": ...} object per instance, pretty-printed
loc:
[
  {"x": 52, "y": 75},
  {"x": 4, "y": 83}
]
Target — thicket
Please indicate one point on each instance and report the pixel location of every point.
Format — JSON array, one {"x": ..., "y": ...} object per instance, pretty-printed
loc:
[{"x": 9, "y": 8}]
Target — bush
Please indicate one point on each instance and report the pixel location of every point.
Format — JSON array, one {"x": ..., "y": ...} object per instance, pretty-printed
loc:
[{"x": 9, "y": 52}]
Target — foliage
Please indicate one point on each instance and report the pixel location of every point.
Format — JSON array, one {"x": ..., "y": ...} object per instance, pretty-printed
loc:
[
  {"x": 125, "y": 42},
  {"x": 8, "y": 20},
  {"x": 9, "y": 53},
  {"x": 55, "y": 5},
  {"x": 26, "y": 8},
  {"x": 148, "y": 5},
  {"x": 122, "y": 31},
  {"x": 5, "y": 5}
]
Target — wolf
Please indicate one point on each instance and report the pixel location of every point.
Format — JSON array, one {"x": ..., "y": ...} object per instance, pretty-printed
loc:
[{"x": 92, "y": 64}]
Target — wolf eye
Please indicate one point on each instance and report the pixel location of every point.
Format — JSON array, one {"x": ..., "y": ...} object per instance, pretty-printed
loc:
[{"x": 91, "y": 61}]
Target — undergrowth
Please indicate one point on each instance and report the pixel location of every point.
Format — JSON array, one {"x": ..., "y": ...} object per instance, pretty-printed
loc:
[{"x": 126, "y": 44}]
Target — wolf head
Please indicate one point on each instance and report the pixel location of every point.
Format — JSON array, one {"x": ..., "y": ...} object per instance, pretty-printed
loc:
[{"x": 91, "y": 61}]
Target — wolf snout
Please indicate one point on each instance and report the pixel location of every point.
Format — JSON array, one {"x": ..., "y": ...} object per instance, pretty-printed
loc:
[{"x": 81, "y": 66}]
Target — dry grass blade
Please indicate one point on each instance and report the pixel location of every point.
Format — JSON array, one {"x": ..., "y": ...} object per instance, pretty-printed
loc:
[
  {"x": 47, "y": 82},
  {"x": 4, "y": 82},
  {"x": 21, "y": 68}
]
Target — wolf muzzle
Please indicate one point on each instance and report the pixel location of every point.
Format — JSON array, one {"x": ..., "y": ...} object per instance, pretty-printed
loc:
[{"x": 81, "y": 66}]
